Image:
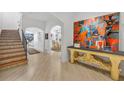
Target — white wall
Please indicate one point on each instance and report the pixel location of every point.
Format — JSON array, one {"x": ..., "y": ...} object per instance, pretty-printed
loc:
[
  {"x": 85, "y": 15},
  {"x": 1, "y": 16},
  {"x": 20, "y": 26},
  {"x": 121, "y": 32},
  {"x": 69, "y": 18},
  {"x": 1, "y": 21},
  {"x": 10, "y": 20}
]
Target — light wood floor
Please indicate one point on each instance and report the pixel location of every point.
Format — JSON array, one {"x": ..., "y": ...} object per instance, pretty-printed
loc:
[{"x": 48, "y": 67}]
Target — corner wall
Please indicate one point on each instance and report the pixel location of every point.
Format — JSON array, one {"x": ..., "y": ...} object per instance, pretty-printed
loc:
[
  {"x": 67, "y": 32},
  {"x": 69, "y": 18}
]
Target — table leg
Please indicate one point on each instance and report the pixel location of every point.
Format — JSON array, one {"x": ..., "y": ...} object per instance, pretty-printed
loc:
[
  {"x": 72, "y": 56},
  {"x": 115, "y": 69}
]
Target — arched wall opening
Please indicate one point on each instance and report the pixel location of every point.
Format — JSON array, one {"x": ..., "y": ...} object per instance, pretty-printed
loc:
[
  {"x": 55, "y": 38},
  {"x": 35, "y": 37}
]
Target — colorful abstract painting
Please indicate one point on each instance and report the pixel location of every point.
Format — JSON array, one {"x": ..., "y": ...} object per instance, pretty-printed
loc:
[{"x": 98, "y": 33}]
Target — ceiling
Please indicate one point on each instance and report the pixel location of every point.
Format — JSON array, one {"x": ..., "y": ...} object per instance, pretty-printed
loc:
[{"x": 42, "y": 16}]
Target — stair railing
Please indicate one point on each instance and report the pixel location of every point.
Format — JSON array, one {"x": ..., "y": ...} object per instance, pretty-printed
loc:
[{"x": 24, "y": 42}]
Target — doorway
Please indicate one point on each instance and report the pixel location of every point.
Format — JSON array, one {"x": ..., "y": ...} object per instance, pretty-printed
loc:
[
  {"x": 35, "y": 38},
  {"x": 55, "y": 41}
]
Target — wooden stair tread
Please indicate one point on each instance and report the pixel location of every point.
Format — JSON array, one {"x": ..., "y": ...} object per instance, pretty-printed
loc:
[
  {"x": 9, "y": 34},
  {"x": 11, "y": 50},
  {"x": 11, "y": 59},
  {"x": 9, "y": 38},
  {"x": 11, "y": 55},
  {"x": 12, "y": 43},
  {"x": 12, "y": 64},
  {"x": 11, "y": 47}
]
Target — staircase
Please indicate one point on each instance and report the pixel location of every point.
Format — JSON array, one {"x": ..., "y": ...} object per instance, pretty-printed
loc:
[{"x": 11, "y": 49}]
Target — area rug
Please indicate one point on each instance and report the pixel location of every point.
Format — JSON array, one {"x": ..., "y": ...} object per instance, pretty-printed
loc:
[{"x": 32, "y": 51}]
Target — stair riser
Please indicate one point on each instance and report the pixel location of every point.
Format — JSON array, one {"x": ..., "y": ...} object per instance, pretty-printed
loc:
[
  {"x": 12, "y": 64},
  {"x": 11, "y": 50},
  {"x": 6, "y": 30},
  {"x": 7, "y": 44},
  {"x": 10, "y": 41},
  {"x": 10, "y": 47},
  {"x": 11, "y": 55},
  {"x": 9, "y": 38},
  {"x": 13, "y": 59},
  {"x": 2, "y": 43},
  {"x": 10, "y": 32}
]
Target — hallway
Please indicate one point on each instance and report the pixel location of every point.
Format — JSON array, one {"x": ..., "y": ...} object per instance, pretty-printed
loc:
[
  {"x": 61, "y": 46},
  {"x": 48, "y": 67}
]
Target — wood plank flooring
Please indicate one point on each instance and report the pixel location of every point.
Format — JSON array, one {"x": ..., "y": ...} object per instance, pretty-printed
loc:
[{"x": 48, "y": 67}]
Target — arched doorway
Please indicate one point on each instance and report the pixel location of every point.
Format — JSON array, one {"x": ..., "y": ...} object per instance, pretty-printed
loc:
[
  {"x": 55, "y": 38},
  {"x": 35, "y": 38}
]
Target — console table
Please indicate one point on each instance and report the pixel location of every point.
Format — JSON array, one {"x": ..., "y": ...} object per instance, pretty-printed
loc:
[{"x": 89, "y": 56}]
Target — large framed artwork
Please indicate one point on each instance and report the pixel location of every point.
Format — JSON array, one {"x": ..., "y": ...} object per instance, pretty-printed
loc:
[{"x": 100, "y": 33}]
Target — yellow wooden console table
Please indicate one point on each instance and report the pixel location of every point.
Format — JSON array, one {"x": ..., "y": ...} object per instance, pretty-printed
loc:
[{"x": 89, "y": 56}]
